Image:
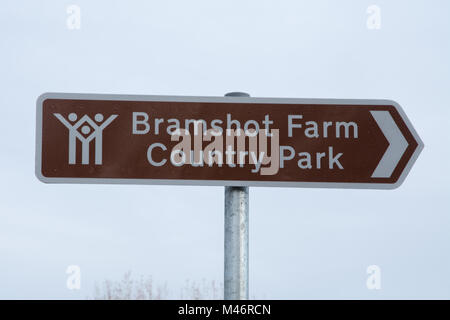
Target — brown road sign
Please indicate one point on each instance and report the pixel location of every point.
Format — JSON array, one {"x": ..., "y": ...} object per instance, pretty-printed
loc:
[{"x": 239, "y": 141}]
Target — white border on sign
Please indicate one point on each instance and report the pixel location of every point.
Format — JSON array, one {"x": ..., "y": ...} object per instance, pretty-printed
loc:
[{"x": 238, "y": 183}]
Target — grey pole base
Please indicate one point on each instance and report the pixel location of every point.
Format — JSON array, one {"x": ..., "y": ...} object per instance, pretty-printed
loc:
[
  {"x": 236, "y": 238},
  {"x": 236, "y": 243}
]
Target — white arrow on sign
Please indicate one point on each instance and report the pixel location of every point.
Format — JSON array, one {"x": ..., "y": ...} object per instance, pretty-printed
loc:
[{"x": 397, "y": 144}]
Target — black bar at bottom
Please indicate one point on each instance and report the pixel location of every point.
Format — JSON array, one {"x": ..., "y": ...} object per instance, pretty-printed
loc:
[{"x": 217, "y": 309}]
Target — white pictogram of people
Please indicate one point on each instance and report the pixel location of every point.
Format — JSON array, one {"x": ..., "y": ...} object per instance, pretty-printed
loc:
[{"x": 90, "y": 130}]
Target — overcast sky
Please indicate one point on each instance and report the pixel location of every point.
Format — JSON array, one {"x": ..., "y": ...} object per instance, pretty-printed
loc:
[{"x": 304, "y": 243}]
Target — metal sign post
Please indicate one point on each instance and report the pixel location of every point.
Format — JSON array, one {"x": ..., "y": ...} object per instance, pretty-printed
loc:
[
  {"x": 236, "y": 238},
  {"x": 236, "y": 243}
]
